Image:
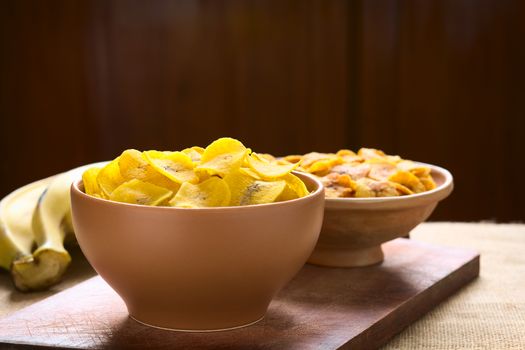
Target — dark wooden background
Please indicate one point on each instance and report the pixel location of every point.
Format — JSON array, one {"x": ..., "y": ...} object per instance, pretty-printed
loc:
[{"x": 437, "y": 81}]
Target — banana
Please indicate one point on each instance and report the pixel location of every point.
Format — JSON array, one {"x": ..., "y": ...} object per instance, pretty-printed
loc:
[
  {"x": 16, "y": 212},
  {"x": 51, "y": 222},
  {"x": 43, "y": 218}
]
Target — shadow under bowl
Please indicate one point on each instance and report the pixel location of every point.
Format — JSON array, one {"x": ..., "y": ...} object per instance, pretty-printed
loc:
[{"x": 354, "y": 228}]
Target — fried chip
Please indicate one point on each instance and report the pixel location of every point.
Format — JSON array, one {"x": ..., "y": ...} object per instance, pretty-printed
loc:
[
  {"x": 369, "y": 173},
  {"x": 176, "y": 166},
  {"x": 362, "y": 189},
  {"x": 109, "y": 177},
  {"x": 356, "y": 172},
  {"x": 198, "y": 149},
  {"x": 267, "y": 169},
  {"x": 245, "y": 190},
  {"x": 139, "y": 192},
  {"x": 222, "y": 157},
  {"x": 267, "y": 157},
  {"x": 371, "y": 188},
  {"x": 408, "y": 180},
  {"x": 414, "y": 168},
  {"x": 295, "y": 188},
  {"x": 346, "y": 181},
  {"x": 338, "y": 186},
  {"x": 403, "y": 190},
  {"x": 193, "y": 178},
  {"x": 195, "y": 153},
  {"x": 134, "y": 165},
  {"x": 89, "y": 178},
  {"x": 381, "y": 170},
  {"x": 349, "y": 156},
  {"x": 370, "y": 153},
  {"x": 384, "y": 188},
  {"x": 393, "y": 159},
  {"x": 428, "y": 182},
  {"x": 315, "y": 162},
  {"x": 322, "y": 167},
  {"x": 213, "y": 192},
  {"x": 345, "y": 152},
  {"x": 292, "y": 159},
  {"x": 250, "y": 172}
]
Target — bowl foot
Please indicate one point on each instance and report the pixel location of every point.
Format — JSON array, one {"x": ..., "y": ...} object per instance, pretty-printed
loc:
[
  {"x": 197, "y": 330},
  {"x": 347, "y": 257}
]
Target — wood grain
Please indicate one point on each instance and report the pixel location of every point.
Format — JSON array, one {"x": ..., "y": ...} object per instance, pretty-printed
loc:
[
  {"x": 321, "y": 308},
  {"x": 440, "y": 81}
]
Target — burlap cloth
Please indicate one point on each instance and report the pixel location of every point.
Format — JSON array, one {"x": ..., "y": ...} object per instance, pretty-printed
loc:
[{"x": 487, "y": 314}]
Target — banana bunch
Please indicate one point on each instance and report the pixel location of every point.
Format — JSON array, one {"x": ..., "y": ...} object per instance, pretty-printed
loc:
[{"x": 35, "y": 220}]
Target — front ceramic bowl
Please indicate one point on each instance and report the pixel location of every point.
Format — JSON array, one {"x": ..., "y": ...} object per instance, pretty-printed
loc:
[
  {"x": 197, "y": 269},
  {"x": 354, "y": 228}
]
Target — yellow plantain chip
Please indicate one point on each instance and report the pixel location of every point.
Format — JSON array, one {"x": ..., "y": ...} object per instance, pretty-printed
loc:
[
  {"x": 267, "y": 156},
  {"x": 345, "y": 153},
  {"x": 370, "y": 153},
  {"x": 393, "y": 159},
  {"x": 134, "y": 165},
  {"x": 139, "y": 192},
  {"x": 295, "y": 188},
  {"x": 296, "y": 184},
  {"x": 249, "y": 172},
  {"x": 292, "y": 159},
  {"x": 287, "y": 194},
  {"x": 246, "y": 190},
  {"x": 381, "y": 170},
  {"x": 346, "y": 181},
  {"x": 338, "y": 186},
  {"x": 368, "y": 173},
  {"x": 222, "y": 157},
  {"x": 356, "y": 172},
  {"x": 109, "y": 177},
  {"x": 376, "y": 188},
  {"x": 213, "y": 192},
  {"x": 403, "y": 190},
  {"x": 320, "y": 163},
  {"x": 336, "y": 191},
  {"x": 89, "y": 178},
  {"x": 409, "y": 180},
  {"x": 416, "y": 169},
  {"x": 428, "y": 182},
  {"x": 323, "y": 161},
  {"x": 421, "y": 171},
  {"x": 379, "y": 161},
  {"x": 268, "y": 170},
  {"x": 362, "y": 189},
  {"x": 176, "y": 166},
  {"x": 195, "y": 153},
  {"x": 384, "y": 188},
  {"x": 322, "y": 167},
  {"x": 198, "y": 149}
]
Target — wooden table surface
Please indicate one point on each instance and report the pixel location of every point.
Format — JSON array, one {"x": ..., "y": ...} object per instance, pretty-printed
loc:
[{"x": 488, "y": 313}]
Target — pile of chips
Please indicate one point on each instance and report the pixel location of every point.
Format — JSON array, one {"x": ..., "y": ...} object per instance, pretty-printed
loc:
[
  {"x": 225, "y": 173},
  {"x": 367, "y": 173}
]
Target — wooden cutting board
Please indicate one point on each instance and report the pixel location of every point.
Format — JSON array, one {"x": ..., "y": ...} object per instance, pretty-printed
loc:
[{"x": 322, "y": 308}]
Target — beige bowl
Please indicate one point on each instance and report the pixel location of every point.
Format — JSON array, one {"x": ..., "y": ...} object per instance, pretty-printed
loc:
[
  {"x": 197, "y": 269},
  {"x": 354, "y": 228}
]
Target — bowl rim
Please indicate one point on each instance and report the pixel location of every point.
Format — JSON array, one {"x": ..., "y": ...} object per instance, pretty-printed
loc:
[
  {"x": 75, "y": 189},
  {"x": 438, "y": 193}
]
